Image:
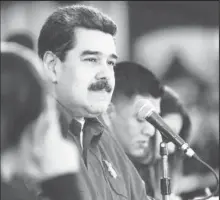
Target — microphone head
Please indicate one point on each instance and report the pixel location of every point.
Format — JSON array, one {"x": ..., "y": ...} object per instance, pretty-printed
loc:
[{"x": 144, "y": 109}]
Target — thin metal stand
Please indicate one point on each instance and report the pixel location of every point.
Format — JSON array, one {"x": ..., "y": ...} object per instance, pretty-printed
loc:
[{"x": 165, "y": 180}]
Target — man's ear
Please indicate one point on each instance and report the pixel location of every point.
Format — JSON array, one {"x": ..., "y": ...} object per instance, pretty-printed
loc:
[{"x": 51, "y": 65}]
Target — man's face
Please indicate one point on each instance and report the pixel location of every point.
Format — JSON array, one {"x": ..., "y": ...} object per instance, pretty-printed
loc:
[
  {"x": 86, "y": 80},
  {"x": 134, "y": 135}
]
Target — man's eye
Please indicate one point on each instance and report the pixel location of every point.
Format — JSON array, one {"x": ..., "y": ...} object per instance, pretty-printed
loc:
[
  {"x": 112, "y": 63},
  {"x": 91, "y": 59}
]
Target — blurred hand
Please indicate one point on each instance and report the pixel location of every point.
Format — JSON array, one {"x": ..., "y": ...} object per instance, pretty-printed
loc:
[{"x": 42, "y": 152}]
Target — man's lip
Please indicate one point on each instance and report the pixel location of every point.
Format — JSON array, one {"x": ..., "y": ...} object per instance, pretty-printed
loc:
[
  {"x": 103, "y": 90},
  {"x": 143, "y": 141}
]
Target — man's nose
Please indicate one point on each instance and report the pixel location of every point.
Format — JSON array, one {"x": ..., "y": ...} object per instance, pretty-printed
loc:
[
  {"x": 148, "y": 129},
  {"x": 105, "y": 72}
]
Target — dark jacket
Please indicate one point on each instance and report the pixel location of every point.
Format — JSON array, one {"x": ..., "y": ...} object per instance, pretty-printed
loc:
[
  {"x": 147, "y": 174},
  {"x": 106, "y": 171}
]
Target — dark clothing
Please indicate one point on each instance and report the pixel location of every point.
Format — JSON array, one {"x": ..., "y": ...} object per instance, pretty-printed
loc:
[
  {"x": 148, "y": 176},
  {"x": 151, "y": 175},
  {"x": 148, "y": 171},
  {"x": 61, "y": 187},
  {"x": 10, "y": 193},
  {"x": 106, "y": 172}
]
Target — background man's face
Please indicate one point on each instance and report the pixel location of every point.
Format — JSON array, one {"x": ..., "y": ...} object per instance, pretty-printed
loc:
[
  {"x": 133, "y": 134},
  {"x": 87, "y": 78}
]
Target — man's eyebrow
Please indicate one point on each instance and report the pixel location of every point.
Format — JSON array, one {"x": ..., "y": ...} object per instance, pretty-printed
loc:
[
  {"x": 89, "y": 52},
  {"x": 114, "y": 56}
]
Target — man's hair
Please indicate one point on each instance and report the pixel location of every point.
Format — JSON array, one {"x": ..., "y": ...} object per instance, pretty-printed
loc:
[
  {"x": 57, "y": 34},
  {"x": 21, "y": 94},
  {"x": 134, "y": 79}
]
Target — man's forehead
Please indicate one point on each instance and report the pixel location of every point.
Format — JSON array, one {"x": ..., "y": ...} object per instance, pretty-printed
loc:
[
  {"x": 153, "y": 100},
  {"x": 97, "y": 53},
  {"x": 95, "y": 41}
]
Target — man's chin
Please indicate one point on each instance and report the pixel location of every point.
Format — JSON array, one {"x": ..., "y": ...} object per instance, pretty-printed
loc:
[
  {"x": 95, "y": 111},
  {"x": 142, "y": 157}
]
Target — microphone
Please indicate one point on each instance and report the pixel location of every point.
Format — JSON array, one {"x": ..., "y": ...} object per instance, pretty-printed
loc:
[{"x": 146, "y": 111}]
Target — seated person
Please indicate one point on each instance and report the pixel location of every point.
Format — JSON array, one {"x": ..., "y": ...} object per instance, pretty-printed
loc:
[
  {"x": 139, "y": 139},
  {"x": 30, "y": 132}
]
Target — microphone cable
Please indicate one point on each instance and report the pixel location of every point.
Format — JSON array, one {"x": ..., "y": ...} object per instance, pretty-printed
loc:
[{"x": 214, "y": 173}]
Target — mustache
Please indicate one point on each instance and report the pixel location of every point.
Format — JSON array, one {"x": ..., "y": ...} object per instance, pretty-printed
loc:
[{"x": 100, "y": 85}]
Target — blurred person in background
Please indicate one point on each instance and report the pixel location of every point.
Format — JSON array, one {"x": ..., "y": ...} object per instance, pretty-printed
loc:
[
  {"x": 202, "y": 103},
  {"x": 32, "y": 146},
  {"x": 133, "y": 82},
  {"x": 23, "y": 38},
  {"x": 77, "y": 46},
  {"x": 139, "y": 139}
]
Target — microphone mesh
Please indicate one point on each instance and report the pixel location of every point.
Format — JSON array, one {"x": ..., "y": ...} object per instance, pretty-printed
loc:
[{"x": 144, "y": 109}]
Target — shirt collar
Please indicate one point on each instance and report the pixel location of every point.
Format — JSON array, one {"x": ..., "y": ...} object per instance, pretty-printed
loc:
[
  {"x": 92, "y": 131},
  {"x": 92, "y": 128}
]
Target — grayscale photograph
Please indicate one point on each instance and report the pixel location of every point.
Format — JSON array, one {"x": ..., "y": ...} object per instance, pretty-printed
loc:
[{"x": 110, "y": 100}]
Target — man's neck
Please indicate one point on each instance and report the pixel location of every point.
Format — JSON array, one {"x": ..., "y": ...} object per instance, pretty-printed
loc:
[{"x": 68, "y": 113}]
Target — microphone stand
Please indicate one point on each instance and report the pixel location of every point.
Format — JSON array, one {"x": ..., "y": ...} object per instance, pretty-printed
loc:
[{"x": 165, "y": 180}]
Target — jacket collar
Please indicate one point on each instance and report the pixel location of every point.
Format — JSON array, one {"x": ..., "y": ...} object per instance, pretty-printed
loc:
[{"x": 92, "y": 129}]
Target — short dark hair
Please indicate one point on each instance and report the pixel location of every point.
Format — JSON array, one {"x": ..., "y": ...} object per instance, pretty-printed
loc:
[
  {"x": 57, "y": 34},
  {"x": 21, "y": 95},
  {"x": 134, "y": 79}
]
